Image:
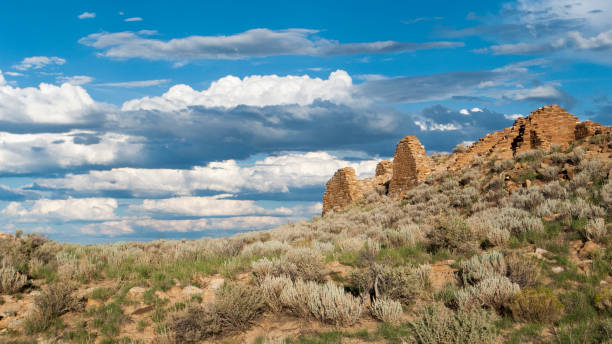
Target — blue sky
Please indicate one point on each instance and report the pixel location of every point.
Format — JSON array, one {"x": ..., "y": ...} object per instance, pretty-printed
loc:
[{"x": 124, "y": 121}]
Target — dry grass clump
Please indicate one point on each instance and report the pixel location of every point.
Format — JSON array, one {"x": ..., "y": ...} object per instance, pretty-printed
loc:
[
  {"x": 503, "y": 165},
  {"x": 538, "y": 304},
  {"x": 522, "y": 270},
  {"x": 271, "y": 289},
  {"x": 11, "y": 281},
  {"x": 235, "y": 308},
  {"x": 603, "y": 300},
  {"x": 595, "y": 230},
  {"x": 550, "y": 173},
  {"x": 527, "y": 198},
  {"x": 438, "y": 325},
  {"x": 387, "y": 310},
  {"x": 554, "y": 190},
  {"x": 482, "y": 267},
  {"x": 55, "y": 299},
  {"x": 406, "y": 235},
  {"x": 533, "y": 155},
  {"x": 576, "y": 156},
  {"x": 327, "y": 302},
  {"x": 259, "y": 248}
]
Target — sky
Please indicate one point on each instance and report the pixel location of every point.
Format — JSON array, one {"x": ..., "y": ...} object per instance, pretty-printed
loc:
[{"x": 132, "y": 121}]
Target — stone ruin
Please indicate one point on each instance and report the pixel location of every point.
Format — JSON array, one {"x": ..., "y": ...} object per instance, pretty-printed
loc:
[
  {"x": 410, "y": 165},
  {"x": 544, "y": 127}
]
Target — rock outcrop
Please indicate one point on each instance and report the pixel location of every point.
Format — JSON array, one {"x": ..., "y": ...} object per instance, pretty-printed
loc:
[
  {"x": 410, "y": 166},
  {"x": 544, "y": 127}
]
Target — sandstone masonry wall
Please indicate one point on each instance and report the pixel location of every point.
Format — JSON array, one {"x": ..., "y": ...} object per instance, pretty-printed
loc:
[{"x": 410, "y": 166}]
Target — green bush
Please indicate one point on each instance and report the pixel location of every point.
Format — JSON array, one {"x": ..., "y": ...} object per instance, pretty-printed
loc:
[
  {"x": 454, "y": 233},
  {"x": 538, "y": 304}
]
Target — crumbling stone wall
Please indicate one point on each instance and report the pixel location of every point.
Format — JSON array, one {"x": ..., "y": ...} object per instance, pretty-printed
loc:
[
  {"x": 410, "y": 166},
  {"x": 345, "y": 188}
]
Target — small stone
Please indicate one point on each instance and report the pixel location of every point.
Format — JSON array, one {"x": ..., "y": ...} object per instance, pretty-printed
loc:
[
  {"x": 527, "y": 183},
  {"x": 192, "y": 290},
  {"x": 136, "y": 291},
  {"x": 589, "y": 249},
  {"x": 557, "y": 269}
]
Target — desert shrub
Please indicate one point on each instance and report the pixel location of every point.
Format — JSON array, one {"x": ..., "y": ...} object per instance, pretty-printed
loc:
[
  {"x": 327, "y": 303},
  {"x": 549, "y": 173},
  {"x": 603, "y": 300},
  {"x": 576, "y": 156},
  {"x": 438, "y": 325},
  {"x": 463, "y": 197},
  {"x": 469, "y": 176},
  {"x": 580, "y": 180},
  {"x": 527, "y": 198},
  {"x": 558, "y": 158},
  {"x": 387, "y": 310},
  {"x": 494, "y": 291},
  {"x": 515, "y": 221},
  {"x": 538, "y": 304},
  {"x": 405, "y": 235},
  {"x": 297, "y": 263},
  {"x": 237, "y": 305},
  {"x": 595, "y": 230},
  {"x": 235, "y": 308},
  {"x": 522, "y": 270},
  {"x": 606, "y": 196},
  {"x": 580, "y": 208},
  {"x": 554, "y": 190},
  {"x": 455, "y": 233},
  {"x": 495, "y": 184},
  {"x": 11, "y": 281},
  {"x": 54, "y": 300},
  {"x": 259, "y": 248},
  {"x": 503, "y": 165},
  {"x": 497, "y": 236},
  {"x": 530, "y": 155},
  {"x": 402, "y": 283},
  {"x": 271, "y": 289},
  {"x": 481, "y": 267}
]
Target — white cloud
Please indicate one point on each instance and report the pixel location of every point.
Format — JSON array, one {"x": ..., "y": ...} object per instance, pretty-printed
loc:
[
  {"x": 573, "y": 41},
  {"x": 75, "y": 79},
  {"x": 514, "y": 116},
  {"x": 538, "y": 92},
  {"x": 129, "y": 226},
  {"x": 2, "y": 79},
  {"x": 475, "y": 109},
  {"x": 86, "y": 15},
  {"x": 217, "y": 205},
  {"x": 46, "y": 104},
  {"x": 13, "y": 74},
  {"x": 272, "y": 174},
  {"x": 429, "y": 125},
  {"x": 38, "y": 62},
  {"x": 255, "y": 90},
  {"x": 464, "y": 112},
  {"x": 133, "y": 19},
  {"x": 140, "y": 83},
  {"x": 24, "y": 153},
  {"x": 251, "y": 43},
  {"x": 84, "y": 209}
]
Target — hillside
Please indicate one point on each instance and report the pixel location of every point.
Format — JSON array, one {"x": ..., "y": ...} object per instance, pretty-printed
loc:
[{"x": 506, "y": 240}]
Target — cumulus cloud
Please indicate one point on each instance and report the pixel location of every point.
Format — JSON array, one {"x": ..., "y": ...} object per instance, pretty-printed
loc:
[
  {"x": 218, "y": 205},
  {"x": 130, "y": 226},
  {"x": 38, "y": 62},
  {"x": 2, "y": 79},
  {"x": 256, "y": 90},
  {"x": 28, "y": 153},
  {"x": 271, "y": 174},
  {"x": 48, "y": 103},
  {"x": 251, "y": 43},
  {"x": 86, "y": 15},
  {"x": 71, "y": 209}
]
